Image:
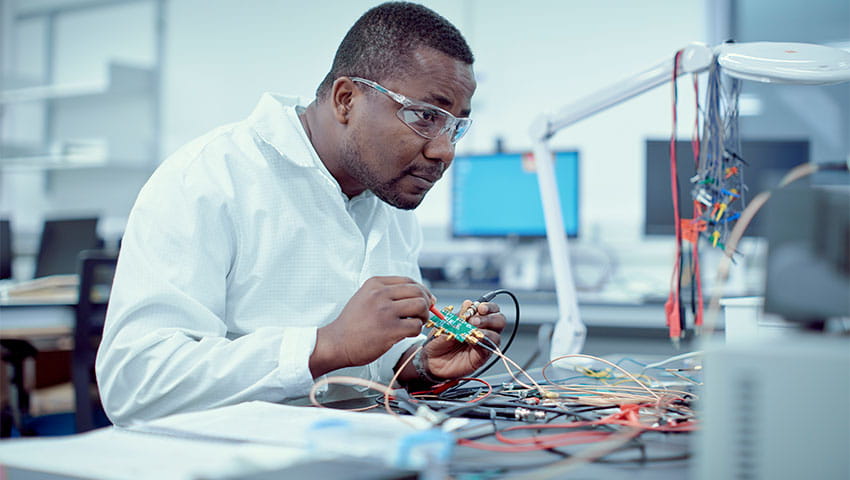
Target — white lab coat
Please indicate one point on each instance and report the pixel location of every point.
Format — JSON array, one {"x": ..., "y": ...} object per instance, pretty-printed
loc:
[{"x": 238, "y": 248}]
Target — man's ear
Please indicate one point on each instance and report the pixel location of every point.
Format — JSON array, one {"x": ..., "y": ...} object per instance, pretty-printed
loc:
[{"x": 342, "y": 97}]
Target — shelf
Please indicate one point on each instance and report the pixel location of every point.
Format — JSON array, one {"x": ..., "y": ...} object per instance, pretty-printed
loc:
[
  {"x": 89, "y": 125},
  {"x": 122, "y": 80},
  {"x": 41, "y": 164}
]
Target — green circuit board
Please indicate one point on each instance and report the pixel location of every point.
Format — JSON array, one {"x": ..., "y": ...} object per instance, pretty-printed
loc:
[{"x": 455, "y": 326}]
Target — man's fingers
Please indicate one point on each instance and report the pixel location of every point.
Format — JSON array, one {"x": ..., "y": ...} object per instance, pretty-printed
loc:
[
  {"x": 412, "y": 307},
  {"x": 399, "y": 291},
  {"x": 493, "y": 321},
  {"x": 486, "y": 308},
  {"x": 410, "y": 327}
]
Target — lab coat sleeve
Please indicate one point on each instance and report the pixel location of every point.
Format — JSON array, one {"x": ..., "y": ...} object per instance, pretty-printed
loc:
[
  {"x": 383, "y": 369},
  {"x": 165, "y": 347}
]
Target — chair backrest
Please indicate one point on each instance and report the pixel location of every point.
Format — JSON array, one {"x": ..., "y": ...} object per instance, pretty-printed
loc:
[
  {"x": 6, "y": 253},
  {"x": 61, "y": 243},
  {"x": 96, "y": 271}
]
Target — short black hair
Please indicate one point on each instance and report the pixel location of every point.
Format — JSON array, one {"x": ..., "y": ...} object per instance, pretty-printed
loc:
[{"x": 381, "y": 43}]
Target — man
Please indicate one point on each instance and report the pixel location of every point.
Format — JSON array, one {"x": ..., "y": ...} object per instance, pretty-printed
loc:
[{"x": 282, "y": 248}]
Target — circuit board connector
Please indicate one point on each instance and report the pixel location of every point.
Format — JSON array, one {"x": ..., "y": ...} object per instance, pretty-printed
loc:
[{"x": 454, "y": 326}]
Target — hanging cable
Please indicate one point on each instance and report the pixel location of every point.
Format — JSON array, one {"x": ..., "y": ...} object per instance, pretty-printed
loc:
[{"x": 673, "y": 307}]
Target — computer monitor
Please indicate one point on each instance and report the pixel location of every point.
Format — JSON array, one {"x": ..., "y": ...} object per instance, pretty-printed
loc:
[
  {"x": 808, "y": 256},
  {"x": 767, "y": 162},
  {"x": 497, "y": 195},
  {"x": 61, "y": 243}
]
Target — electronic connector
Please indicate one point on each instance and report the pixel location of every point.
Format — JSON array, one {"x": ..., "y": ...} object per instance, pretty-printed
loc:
[{"x": 450, "y": 324}]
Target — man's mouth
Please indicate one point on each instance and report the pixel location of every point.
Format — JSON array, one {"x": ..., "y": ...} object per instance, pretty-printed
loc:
[{"x": 432, "y": 179}]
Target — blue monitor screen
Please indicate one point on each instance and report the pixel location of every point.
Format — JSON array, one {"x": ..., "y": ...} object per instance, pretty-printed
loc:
[{"x": 498, "y": 195}]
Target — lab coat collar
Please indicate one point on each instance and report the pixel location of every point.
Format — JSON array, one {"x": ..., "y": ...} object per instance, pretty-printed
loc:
[{"x": 276, "y": 121}]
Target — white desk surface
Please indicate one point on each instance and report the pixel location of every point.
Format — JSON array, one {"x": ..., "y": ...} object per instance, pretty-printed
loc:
[
  {"x": 223, "y": 443},
  {"x": 42, "y": 325}
]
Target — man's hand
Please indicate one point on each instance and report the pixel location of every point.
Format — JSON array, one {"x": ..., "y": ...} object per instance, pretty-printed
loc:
[
  {"x": 382, "y": 312},
  {"x": 445, "y": 357}
]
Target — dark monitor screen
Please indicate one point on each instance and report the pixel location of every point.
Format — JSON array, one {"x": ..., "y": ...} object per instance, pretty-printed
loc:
[
  {"x": 61, "y": 243},
  {"x": 767, "y": 162},
  {"x": 808, "y": 255},
  {"x": 498, "y": 195}
]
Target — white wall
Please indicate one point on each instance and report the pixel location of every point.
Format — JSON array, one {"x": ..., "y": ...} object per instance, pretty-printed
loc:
[{"x": 530, "y": 56}]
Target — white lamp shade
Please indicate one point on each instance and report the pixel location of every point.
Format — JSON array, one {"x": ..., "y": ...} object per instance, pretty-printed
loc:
[{"x": 778, "y": 62}]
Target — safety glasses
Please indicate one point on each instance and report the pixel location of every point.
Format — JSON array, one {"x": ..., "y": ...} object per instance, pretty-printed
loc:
[{"x": 425, "y": 119}]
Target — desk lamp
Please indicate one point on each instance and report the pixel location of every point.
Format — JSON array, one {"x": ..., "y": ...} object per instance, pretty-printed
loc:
[{"x": 769, "y": 62}]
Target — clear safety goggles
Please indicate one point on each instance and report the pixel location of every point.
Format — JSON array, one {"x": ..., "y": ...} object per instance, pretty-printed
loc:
[{"x": 429, "y": 121}]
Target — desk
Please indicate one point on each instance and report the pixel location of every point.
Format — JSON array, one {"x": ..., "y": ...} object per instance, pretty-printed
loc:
[
  {"x": 668, "y": 458},
  {"x": 116, "y": 453},
  {"x": 264, "y": 440},
  {"x": 42, "y": 324},
  {"x": 48, "y": 326}
]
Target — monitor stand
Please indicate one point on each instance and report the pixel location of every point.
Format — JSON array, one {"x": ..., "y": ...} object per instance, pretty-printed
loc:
[{"x": 522, "y": 265}]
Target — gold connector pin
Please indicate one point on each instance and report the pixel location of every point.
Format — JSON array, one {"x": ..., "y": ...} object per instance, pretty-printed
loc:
[{"x": 469, "y": 312}]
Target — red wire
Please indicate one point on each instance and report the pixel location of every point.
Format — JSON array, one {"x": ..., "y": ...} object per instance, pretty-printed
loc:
[
  {"x": 445, "y": 386},
  {"x": 436, "y": 312},
  {"x": 628, "y": 416},
  {"x": 439, "y": 388},
  {"x": 592, "y": 436},
  {"x": 482, "y": 397},
  {"x": 672, "y": 307}
]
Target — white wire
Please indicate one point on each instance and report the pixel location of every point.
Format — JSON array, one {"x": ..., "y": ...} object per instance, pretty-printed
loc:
[{"x": 674, "y": 358}]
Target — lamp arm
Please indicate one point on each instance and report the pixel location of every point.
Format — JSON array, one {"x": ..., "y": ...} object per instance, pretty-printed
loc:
[
  {"x": 569, "y": 333},
  {"x": 696, "y": 57}
]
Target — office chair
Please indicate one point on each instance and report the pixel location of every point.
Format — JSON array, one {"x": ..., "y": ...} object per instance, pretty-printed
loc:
[
  {"x": 61, "y": 242},
  {"x": 96, "y": 270},
  {"x": 14, "y": 415},
  {"x": 6, "y": 253}
]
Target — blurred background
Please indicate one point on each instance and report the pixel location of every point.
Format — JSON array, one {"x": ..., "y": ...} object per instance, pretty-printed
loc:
[{"x": 94, "y": 94}]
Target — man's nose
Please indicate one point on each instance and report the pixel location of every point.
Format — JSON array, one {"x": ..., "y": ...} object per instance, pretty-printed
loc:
[{"x": 441, "y": 148}]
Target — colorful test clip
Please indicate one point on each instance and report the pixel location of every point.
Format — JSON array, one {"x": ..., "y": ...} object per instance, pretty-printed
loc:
[{"x": 436, "y": 312}]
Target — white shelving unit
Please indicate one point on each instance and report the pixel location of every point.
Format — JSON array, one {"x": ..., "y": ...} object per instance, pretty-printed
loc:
[
  {"x": 109, "y": 125},
  {"x": 85, "y": 148}
]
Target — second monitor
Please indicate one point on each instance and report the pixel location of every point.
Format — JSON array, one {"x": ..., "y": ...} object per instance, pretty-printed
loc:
[
  {"x": 767, "y": 162},
  {"x": 495, "y": 195}
]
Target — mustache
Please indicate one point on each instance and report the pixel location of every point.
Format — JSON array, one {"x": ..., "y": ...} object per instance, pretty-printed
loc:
[{"x": 431, "y": 172}]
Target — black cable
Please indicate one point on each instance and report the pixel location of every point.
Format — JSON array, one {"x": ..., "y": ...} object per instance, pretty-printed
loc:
[
  {"x": 487, "y": 297},
  {"x": 506, "y": 409},
  {"x": 834, "y": 166}
]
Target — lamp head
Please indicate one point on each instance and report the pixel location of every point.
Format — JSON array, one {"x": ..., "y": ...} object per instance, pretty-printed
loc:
[{"x": 781, "y": 62}]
